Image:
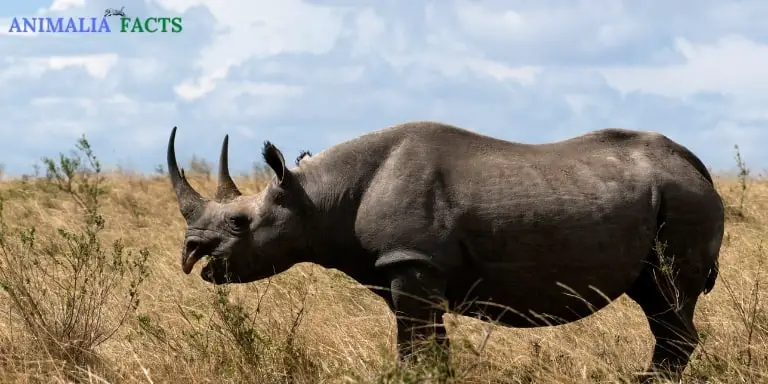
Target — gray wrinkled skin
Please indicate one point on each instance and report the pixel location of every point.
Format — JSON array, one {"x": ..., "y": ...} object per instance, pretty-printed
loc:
[{"x": 527, "y": 235}]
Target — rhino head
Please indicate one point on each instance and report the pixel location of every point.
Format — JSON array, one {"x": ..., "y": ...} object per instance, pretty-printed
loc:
[{"x": 245, "y": 238}]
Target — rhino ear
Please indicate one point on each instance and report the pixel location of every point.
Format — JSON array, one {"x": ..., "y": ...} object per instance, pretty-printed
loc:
[{"x": 276, "y": 161}]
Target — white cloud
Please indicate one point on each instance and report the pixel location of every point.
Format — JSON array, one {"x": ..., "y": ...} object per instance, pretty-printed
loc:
[
  {"x": 251, "y": 99},
  {"x": 370, "y": 29},
  {"x": 580, "y": 23},
  {"x": 97, "y": 66},
  {"x": 524, "y": 74},
  {"x": 189, "y": 90},
  {"x": 258, "y": 29},
  {"x": 62, "y": 5},
  {"x": 306, "y": 74},
  {"x": 734, "y": 65}
]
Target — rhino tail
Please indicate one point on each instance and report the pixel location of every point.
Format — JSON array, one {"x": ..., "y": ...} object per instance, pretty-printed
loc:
[{"x": 711, "y": 278}]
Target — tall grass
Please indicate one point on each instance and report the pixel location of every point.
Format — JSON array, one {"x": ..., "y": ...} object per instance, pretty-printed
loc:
[{"x": 92, "y": 291}]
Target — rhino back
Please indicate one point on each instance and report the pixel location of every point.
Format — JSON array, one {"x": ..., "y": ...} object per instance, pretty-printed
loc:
[{"x": 443, "y": 182}]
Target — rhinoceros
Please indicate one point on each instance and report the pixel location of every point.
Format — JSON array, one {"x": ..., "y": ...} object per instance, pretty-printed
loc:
[{"x": 433, "y": 217}]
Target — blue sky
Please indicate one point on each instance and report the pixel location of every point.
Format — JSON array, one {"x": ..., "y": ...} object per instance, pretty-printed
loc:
[{"x": 309, "y": 74}]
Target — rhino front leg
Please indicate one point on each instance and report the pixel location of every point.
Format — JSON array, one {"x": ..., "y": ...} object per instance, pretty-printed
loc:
[{"x": 418, "y": 302}]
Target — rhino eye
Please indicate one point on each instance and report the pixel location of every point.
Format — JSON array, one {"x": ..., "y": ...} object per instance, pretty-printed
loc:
[{"x": 239, "y": 221}]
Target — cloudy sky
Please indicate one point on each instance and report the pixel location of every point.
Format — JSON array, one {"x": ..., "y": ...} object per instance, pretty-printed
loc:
[{"x": 309, "y": 74}]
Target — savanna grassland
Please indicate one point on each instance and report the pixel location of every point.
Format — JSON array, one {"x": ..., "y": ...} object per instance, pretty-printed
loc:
[{"x": 91, "y": 291}]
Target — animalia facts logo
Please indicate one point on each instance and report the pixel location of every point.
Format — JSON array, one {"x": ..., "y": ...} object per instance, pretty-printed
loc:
[{"x": 128, "y": 24}]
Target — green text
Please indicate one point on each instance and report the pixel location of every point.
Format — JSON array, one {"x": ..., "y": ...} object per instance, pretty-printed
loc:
[{"x": 150, "y": 24}]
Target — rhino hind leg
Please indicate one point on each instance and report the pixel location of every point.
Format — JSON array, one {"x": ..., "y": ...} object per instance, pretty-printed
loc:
[
  {"x": 667, "y": 291},
  {"x": 675, "y": 333}
]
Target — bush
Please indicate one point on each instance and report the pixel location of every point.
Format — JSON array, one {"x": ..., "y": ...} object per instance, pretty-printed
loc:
[{"x": 70, "y": 292}]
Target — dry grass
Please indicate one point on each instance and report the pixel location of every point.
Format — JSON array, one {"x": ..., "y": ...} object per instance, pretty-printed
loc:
[{"x": 308, "y": 324}]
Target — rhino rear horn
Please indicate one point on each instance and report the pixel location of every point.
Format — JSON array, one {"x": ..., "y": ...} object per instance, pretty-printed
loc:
[
  {"x": 190, "y": 201},
  {"x": 226, "y": 189}
]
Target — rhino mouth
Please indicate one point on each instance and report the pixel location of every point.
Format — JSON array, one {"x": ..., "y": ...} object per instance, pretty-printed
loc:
[
  {"x": 218, "y": 270},
  {"x": 199, "y": 252},
  {"x": 212, "y": 270}
]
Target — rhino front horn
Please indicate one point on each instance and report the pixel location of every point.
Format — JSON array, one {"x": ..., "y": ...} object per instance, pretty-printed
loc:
[
  {"x": 226, "y": 189},
  {"x": 189, "y": 200}
]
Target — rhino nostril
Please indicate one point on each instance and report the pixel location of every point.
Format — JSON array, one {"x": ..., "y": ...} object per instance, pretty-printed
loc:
[{"x": 192, "y": 244}]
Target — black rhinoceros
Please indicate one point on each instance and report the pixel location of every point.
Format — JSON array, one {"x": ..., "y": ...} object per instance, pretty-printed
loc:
[{"x": 529, "y": 235}]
